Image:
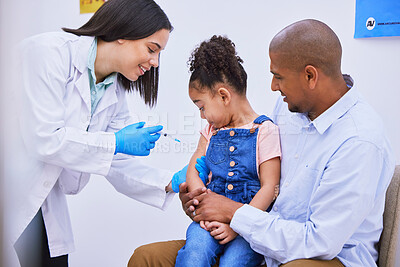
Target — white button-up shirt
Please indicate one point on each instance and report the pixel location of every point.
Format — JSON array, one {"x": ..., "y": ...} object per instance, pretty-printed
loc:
[{"x": 335, "y": 172}]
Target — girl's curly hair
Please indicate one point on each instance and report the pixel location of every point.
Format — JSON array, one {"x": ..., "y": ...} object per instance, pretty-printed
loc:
[{"x": 214, "y": 61}]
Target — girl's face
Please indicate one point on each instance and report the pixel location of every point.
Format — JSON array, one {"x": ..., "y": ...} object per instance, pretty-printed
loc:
[
  {"x": 138, "y": 56},
  {"x": 212, "y": 107}
]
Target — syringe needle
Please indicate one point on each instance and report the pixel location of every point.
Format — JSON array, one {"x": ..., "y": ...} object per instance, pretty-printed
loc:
[{"x": 169, "y": 136}]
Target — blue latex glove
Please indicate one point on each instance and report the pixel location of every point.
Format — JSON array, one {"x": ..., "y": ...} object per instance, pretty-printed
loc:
[
  {"x": 180, "y": 176},
  {"x": 136, "y": 140},
  {"x": 202, "y": 168}
]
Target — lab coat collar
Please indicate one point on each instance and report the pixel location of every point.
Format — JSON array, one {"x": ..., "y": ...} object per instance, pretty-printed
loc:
[
  {"x": 82, "y": 52},
  {"x": 80, "y": 63},
  {"x": 82, "y": 84}
]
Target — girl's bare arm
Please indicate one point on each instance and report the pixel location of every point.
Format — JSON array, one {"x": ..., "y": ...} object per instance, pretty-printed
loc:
[
  {"x": 192, "y": 177},
  {"x": 270, "y": 172}
]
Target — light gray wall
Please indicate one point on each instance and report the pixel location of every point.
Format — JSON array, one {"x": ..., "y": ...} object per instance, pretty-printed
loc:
[
  {"x": 109, "y": 226},
  {"x": 2, "y": 109}
]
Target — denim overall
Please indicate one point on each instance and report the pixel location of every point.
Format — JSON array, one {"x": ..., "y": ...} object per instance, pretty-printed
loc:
[{"x": 231, "y": 157}]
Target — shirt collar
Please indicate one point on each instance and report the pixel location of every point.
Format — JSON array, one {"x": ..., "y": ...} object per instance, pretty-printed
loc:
[
  {"x": 348, "y": 100},
  {"x": 92, "y": 55},
  {"x": 90, "y": 64}
]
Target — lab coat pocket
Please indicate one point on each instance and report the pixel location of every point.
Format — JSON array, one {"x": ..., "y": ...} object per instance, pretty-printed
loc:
[{"x": 72, "y": 182}]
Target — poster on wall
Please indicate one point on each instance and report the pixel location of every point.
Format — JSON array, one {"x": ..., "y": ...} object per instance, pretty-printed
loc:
[
  {"x": 90, "y": 6},
  {"x": 377, "y": 18}
]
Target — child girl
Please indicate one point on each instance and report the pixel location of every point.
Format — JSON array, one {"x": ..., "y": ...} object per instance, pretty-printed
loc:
[{"x": 242, "y": 151}]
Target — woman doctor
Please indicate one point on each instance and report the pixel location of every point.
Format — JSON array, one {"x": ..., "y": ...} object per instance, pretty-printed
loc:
[{"x": 75, "y": 120}]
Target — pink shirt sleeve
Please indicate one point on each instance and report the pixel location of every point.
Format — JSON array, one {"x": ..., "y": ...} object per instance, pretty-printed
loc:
[
  {"x": 207, "y": 132},
  {"x": 268, "y": 143}
]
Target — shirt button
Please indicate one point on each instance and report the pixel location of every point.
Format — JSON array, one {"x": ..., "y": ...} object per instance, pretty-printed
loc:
[
  {"x": 230, "y": 173},
  {"x": 286, "y": 184},
  {"x": 232, "y": 133},
  {"x": 232, "y": 163},
  {"x": 47, "y": 184},
  {"x": 232, "y": 148},
  {"x": 275, "y": 208},
  {"x": 93, "y": 92},
  {"x": 296, "y": 156},
  {"x": 230, "y": 187}
]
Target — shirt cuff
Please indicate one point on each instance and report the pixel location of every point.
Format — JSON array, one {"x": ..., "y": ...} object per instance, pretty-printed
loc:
[{"x": 244, "y": 219}]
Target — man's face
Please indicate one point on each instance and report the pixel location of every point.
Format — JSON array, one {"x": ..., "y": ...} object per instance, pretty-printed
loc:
[{"x": 290, "y": 83}]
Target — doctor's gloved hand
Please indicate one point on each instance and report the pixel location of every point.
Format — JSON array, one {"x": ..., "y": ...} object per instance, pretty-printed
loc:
[
  {"x": 180, "y": 176},
  {"x": 202, "y": 168},
  {"x": 136, "y": 140}
]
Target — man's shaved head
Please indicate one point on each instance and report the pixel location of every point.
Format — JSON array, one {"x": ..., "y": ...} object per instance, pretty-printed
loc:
[{"x": 308, "y": 42}]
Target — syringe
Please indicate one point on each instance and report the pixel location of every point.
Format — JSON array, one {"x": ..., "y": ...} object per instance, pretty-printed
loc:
[{"x": 169, "y": 136}]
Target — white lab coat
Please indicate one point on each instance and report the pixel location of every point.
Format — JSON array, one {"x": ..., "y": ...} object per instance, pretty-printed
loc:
[{"x": 66, "y": 144}]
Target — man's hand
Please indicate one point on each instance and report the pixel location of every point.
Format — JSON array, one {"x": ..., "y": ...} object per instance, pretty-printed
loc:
[
  {"x": 212, "y": 207},
  {"x": 188, "y": 199},
  {"x": 221, "y": 231}
]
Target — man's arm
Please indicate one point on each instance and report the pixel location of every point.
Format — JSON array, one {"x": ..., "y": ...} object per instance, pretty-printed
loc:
[{"x": 348, "y": 192}]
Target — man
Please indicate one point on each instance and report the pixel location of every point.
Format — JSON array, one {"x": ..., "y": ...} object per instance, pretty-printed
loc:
[{"x": 336, "y": 166}]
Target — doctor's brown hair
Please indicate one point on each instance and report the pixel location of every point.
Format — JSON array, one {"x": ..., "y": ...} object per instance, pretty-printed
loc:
[
  {"x": 130, "y": 20},
  {"x": 214, "y": 61}
]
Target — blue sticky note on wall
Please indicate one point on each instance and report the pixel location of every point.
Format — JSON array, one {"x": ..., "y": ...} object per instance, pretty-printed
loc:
[{"x": 377, "y": 18}]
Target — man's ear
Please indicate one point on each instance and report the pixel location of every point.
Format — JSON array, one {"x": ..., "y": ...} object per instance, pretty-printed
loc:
[
  {"x": 224, "y": 94},
  {"x": 311, "y": 76}
]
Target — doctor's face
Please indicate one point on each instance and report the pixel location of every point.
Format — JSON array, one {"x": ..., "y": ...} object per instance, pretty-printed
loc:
[{"x": 138, "y": 56}]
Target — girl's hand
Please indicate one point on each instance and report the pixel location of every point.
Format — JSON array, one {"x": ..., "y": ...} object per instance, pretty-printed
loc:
[
  {"x": 221, "y": 231},
  {"x": 203, "y": 224}
]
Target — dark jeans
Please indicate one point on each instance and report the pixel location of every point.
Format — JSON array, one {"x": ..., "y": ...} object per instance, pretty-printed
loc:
[{"x": 32, "y": 246}]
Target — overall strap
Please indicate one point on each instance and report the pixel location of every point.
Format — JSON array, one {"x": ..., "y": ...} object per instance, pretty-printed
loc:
[{"x": 261, "y": 119}]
